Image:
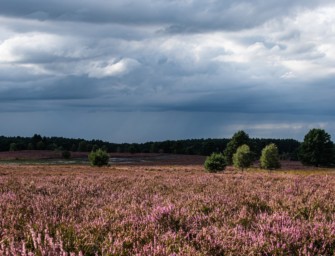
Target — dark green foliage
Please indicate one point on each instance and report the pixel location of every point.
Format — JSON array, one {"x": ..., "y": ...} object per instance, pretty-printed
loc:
[
  {"x": 95, "y": 147},
  {"x": 13, "y": 147},
  {"x": 287, "y": 147},
  {"x": 270, "y": 157},
  {"x": 82, "y": 147},
  {"x": 239, "y": 138},
  {"x": 66, "y": 154},
  {"x": 98, "y": 158},
  {"x": 243, "y": 157},
  {"x": 40, "y": 145},
  {"x": 215, "y": 162},
  {"x": 317, "y": 148},
  {"x": 35, "y": 139},
  {"x": 30, "y": 146},
  {"x": 133, "y": 148},
  {"x": 53, "y": 146}
]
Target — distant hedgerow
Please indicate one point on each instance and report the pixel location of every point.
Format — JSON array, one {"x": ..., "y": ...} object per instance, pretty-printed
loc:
[
  {"x": 98, "y": 158},
  {"x": 215, "y": 162}
]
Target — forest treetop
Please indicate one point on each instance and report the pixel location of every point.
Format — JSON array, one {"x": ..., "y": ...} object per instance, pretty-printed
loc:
[{"x": 288, "y": 148}]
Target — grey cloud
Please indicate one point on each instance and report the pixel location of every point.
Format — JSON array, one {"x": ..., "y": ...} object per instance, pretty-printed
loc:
[
  {"x": 38, "y": 15},
  {"x": 179, "y": 15},
  {"x": 155, "y": 70},
  {"x": 178, "y": 29},
  {"x": 51, "y": 89}
]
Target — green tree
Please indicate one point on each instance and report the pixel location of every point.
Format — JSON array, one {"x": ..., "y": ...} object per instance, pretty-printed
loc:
[
  {"x": 317, "y": 148},
  {"x": 98, "y": 158},
  {"x": 35, "y": 139},
  {"x": 270, "y": 157},
  {"x": 95, "y": 147},
  {"x": 239, "y": 138},
  {"x": 208, "y": 147},
  {"x": 82, "y": 147},
  {"x": 13, "y": 147},
  {"x": 30, "y": 146},
  {"x": 73, "y": 148},
  {"x": 40, "y": 145},
  {"x": 52, "y": 146},
  {"x": 243, "y": 157},
  {"x": 215, "y": 162},
  {"x": 133, "y": 148}
]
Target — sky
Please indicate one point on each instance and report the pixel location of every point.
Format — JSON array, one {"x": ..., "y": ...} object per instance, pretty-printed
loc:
[{"x": 153, "y": 70}]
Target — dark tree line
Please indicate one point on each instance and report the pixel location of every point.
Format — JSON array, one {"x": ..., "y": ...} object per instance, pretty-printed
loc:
[{"x": 288, "y": 148}]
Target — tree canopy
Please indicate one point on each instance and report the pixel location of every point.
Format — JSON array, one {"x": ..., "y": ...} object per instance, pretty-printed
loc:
[
  {"x": 317, "y": 148},
  {"x": 270, "y": 157},
  {"x": 243, "y": 157},
  {"x": 288, "y": 148},
  {"x": 239, "y": 138}
]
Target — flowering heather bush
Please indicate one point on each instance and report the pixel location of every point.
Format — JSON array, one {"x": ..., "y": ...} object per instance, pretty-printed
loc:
[{"x": 78, "y": 210}]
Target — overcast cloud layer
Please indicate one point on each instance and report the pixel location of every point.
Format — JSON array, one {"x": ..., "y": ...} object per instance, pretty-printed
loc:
[{"x": 134, "y": 71}]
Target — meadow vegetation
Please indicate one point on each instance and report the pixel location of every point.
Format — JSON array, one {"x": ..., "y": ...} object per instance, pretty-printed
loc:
[
  {"x": 158, "y": 209},
  {"x": 171, "y": 210}
]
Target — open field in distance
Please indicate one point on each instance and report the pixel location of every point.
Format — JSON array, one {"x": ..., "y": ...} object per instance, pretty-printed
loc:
[
  {"x": 54, "y": 157},
  {"x": 164, "y": 210}
]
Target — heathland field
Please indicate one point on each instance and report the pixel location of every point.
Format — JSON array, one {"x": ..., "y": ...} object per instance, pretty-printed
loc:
[{"x": 164, "y": 210}]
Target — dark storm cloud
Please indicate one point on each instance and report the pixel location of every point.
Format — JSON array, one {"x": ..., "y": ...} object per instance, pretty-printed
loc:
[
  {"x": 50, "y": 89},
  {"x": 166, "y": 69},
  {"x": 181, "y": 15}
]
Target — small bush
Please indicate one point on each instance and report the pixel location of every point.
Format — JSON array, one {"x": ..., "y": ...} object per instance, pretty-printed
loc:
[
  {"x": 215, "y": 162},
  {"x": 98, "y": 158},
  {"x": 66, "y": 154}
]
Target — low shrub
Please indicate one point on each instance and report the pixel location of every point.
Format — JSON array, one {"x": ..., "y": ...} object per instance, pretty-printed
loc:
[
  {"x": 98, "y": 158},
  {"x": 215, "y": 162},
  {"x": 66, "y": 154}
]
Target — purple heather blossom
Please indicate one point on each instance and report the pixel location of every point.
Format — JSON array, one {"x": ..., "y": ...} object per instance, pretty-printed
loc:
[{"x": 79, "y": 210}]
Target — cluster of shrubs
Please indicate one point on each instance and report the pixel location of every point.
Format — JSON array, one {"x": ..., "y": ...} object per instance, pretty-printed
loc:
[
  {"x": 243, "y": 158},
  {"x": 317, "y": 149}
]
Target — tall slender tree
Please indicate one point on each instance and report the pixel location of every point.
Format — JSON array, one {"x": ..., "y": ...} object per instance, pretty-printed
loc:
[{"x": 239, "y": 138}]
